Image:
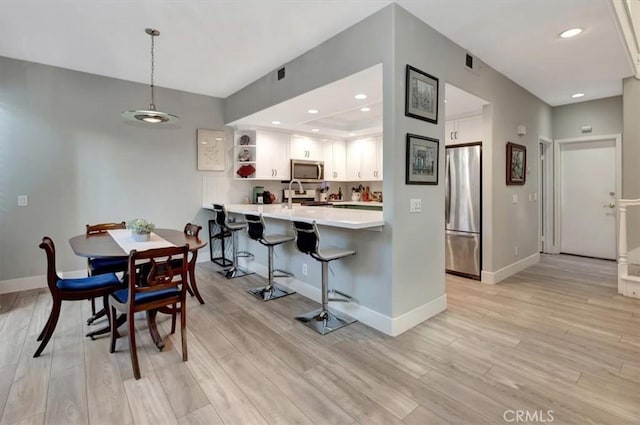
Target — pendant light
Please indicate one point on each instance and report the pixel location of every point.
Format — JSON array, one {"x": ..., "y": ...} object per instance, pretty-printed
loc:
[{"x": 151, "y": 115}]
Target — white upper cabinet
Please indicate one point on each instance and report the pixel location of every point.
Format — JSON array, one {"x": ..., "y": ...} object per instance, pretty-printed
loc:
[
  {"x": 463, "y": 130},
  {"x": 272, "y": 155},
  {"x": 302, "y": 147},
  {"x": 364, "y": 159},
  {"x": 335, "y": 160}
]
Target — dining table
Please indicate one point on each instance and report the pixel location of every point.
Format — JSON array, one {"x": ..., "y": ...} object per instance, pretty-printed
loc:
[{"x": 103, "y": 245}]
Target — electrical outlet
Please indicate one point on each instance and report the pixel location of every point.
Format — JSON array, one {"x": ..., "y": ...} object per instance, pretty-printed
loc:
[
  {"x": 304, "y": 269},
  {"x": 415, "y": 205},
  {"x": 23, "y": 200},
  {"x": 515, "y": 250}
]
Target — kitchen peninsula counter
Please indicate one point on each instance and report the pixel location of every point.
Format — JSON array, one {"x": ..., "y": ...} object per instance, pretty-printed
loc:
[{"x": 325, "y": 216}]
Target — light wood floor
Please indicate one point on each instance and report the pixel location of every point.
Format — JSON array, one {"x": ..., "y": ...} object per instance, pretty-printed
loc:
[{"x": 555, "y": 337}]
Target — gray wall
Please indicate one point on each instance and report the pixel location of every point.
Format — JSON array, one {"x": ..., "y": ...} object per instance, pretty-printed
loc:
[
  {"x": 603, "y": 115},
  {"x": 504, "y": 225},
  {"x": 414, "y": 270},
  {"x": 64, "y": 144},
  {"x": 631, "y": 159}
]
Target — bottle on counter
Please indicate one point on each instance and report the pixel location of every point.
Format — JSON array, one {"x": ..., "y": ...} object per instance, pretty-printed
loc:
[{"x": 339, "y": 194}]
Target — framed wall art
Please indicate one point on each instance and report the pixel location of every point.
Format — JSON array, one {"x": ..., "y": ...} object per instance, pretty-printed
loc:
[
  {"x": 516, "y": 164},
  {"x": 211, "y": 150},
  {"x": 421, "y": 98},
  {"x": 422, "y": 160}
]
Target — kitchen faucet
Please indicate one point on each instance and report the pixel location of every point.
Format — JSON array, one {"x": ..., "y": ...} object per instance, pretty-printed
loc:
[{"x": 290, "y": 206}]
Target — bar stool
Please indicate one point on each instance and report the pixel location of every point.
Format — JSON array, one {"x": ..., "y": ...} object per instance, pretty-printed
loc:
[
  {"x": 222, "y": 219},
  {"x": 308, "y": 241},
  {"x": 256, "y": 232}
]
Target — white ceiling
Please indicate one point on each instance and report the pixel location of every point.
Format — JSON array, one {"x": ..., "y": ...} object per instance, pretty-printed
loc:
[{"x": 218, "y": 47}]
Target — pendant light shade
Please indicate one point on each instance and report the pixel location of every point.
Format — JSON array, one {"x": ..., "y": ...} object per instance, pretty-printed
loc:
[{"x": 151, "y": 114}]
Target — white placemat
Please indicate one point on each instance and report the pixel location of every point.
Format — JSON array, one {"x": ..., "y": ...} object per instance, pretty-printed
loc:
[{"x": 126, "y": 242}]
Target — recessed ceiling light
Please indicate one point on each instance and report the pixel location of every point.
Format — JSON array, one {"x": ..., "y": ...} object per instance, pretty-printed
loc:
[
  {"x": 360, "y": 96},
  {"x": 313, "y": 111},
  {"x": 275, "y": 122},
  {"x": 352, "y": 134},
  {"x": 315, "y": 130},
  {"x": 570, "y": 33},
  {"x": 365, "y": 109},
  {"x": 577, "y": 95},
  {"x": 218, "y": 138},
  {"x": 203, "y": 143}
]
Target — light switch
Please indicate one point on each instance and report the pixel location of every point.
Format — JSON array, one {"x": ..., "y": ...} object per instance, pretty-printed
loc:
[
  {"x": 23, "y": 200},
  {"x": 415, "y": 205},
  {"x": 515, "y": 200}
]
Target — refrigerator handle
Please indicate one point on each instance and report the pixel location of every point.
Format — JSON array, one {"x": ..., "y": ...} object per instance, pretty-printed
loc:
[{"x": 447, "y": 193}]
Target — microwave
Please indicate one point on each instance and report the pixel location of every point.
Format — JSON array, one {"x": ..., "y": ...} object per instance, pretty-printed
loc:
[{"x": 307, "y": 171}]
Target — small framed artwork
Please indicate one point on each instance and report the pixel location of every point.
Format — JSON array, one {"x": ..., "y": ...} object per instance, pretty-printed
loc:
[
  {"x": 422, "y": 160},
  {"x": 211, "y": 150},
  {"x": 516, "y": 164},
  {"x": 421, "y": 98}
]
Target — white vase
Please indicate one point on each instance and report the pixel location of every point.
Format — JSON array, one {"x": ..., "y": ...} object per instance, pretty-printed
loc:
[{"x": 141, "y": 237}]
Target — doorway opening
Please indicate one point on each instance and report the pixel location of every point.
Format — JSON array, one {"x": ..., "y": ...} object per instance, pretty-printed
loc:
[{"x": 546, "y": 242}]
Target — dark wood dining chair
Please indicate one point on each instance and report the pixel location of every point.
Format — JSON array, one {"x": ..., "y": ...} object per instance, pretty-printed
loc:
[
  {"x": 97, "y": 266},
  {"x": 193, "y": 230},
  {"x": 157, "y": 284},
  {"x": 83, "y": 288}
]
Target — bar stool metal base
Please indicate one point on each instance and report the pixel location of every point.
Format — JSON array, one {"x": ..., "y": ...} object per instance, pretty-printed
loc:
[
  {"x": 267, "y": 293},
  {"x": 325, "y": 321},
  {"x": 234, "y": 272}
]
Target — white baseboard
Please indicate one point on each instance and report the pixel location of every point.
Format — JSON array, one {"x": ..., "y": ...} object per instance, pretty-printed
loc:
[
  {"x": 392, "y": 326},
  {"x": 497, "y": 276},
  {"x": 35, "y": 282},
  {"x": 22, "y": 284}
]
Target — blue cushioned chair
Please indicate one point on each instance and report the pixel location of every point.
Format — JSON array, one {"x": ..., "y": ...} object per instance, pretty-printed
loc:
[
  {"x": 96, "y": 266},
  {"x": 157, "y": 278},
  {"x": 70, "y": 290}
]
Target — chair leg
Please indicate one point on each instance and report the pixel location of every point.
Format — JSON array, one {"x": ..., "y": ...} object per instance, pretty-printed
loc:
[
  {"x": 132, "y": 346},
  {"x": 183, "y": 329},
  {"x": 173, "y": 318},
  {"x": 93, "y": 306},
  {"x": 46, "y": 326},
  {"x": 50, "y": 327},
  {"x": 192, "y": 278},
  {"x": 114, "y": 329}
]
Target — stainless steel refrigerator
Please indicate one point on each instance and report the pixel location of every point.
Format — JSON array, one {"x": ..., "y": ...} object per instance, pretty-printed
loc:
[{"x": 463, "y": 210}]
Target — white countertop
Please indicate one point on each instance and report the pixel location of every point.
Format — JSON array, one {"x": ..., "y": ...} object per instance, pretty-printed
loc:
[
  {"x": 325, "y": 216},
  {"x": 369, "y": 203}
]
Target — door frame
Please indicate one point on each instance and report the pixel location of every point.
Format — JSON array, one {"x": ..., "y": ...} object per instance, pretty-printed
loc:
[
  {"x": 546, "y": 201},
  {"x": 559, "y": 143}
]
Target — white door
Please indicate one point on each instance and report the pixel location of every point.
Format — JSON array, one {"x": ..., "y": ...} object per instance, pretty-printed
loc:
[{"x": 587, "y": 198}]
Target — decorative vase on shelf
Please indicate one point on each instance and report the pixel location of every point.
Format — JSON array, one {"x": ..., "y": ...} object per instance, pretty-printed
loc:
[{"x": 140, "y": 229}]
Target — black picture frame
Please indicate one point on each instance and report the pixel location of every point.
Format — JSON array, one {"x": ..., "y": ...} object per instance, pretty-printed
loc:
[
  {"x": 422, "y": 160},
  {"x": 421, "y": 97},
  {"x": 516, "y": 164}
]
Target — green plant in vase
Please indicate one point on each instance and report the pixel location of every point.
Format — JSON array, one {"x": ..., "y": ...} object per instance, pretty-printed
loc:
[{"x": 140, "y": 229}]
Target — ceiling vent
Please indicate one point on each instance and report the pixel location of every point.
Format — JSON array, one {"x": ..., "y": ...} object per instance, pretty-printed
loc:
[{"x": 281, "y": 73}]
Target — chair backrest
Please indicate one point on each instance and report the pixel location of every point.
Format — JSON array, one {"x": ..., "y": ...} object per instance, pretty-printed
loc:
[
  {"x": 221, "y": 214},
  {"x": 96, "y": 229},
  {"x": 307, "y": 237},
  {"x": 52, "y": 276},
  {"x": 256, "y": 226},
  {"x": 157, "y": 269},
  {"x": 192, "y": 229}
]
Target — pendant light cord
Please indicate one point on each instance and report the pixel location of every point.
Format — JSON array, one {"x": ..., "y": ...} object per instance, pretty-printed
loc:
[{"x": 153, "y": 101}]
